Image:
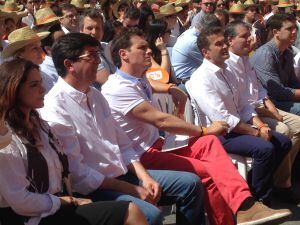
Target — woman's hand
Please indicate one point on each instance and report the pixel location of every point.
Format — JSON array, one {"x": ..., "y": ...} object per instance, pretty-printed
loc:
[{"x": 160, "y": 44}]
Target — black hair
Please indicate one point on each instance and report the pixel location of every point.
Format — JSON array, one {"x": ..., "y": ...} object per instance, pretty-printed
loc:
[
  {"x": 276, "y": 21},
  {"x": 143, "y": 21},
  {"x": 132, "y": 12},
  {"x": 70, "y": 47},
  {"x": 202, "y": 40},
  {"x": 122, "y": 41},
  {"x": 156, "y": 29}
]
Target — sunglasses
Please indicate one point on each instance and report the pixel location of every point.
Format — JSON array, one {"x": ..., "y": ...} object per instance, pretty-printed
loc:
[{"x": 221, "y": 4}]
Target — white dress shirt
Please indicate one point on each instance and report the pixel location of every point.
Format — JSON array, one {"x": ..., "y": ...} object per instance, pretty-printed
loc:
[
  {"x": 49, "y": 73},
  {"x": 297, "y": 65},
  {"x": 250, "y": 87},
  {"x": 96, "y": 146},
  {"x": 215, "y": 91},
  {"x": 13, "y": 173},
  {"x": 65, "y": 30},
  {"x": 123, "y": 93}
]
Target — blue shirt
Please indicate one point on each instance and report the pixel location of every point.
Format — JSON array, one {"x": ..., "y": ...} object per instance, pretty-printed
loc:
[
  {"x": 276, "y": 71},
  {"x": 186, "y": 57}
]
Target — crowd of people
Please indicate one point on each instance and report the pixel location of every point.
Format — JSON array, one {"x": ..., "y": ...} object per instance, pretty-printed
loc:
[{"x": 81, "y": 134}]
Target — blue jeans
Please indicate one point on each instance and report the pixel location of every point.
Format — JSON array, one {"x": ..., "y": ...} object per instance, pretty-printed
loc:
[
  {"x": 292, "y": 107},
  {"x": 267, "y": 155},
  {"x": 182, "y": 188}
]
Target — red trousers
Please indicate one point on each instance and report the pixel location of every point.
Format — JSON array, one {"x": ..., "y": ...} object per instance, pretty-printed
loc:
[{"x": 225, "y": 189}]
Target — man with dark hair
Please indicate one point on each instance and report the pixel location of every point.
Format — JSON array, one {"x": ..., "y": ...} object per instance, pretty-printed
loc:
[
  {"x": 131, "y": 17},
  {"x": 103, "y": 164},
  {"x": 69, "y": 18},
  {"x": 91, "y": 23},
  {"x": 215, "y": 92},
  {"x": 238, "y": 37},
  {"x": 227, "y": 193},
  {"x": 273, "y": 63}
]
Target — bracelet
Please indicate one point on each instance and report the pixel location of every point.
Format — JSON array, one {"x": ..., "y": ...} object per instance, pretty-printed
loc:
[
  {"x": 164, "y": 54},
  {"x": 203, "y": 131}
]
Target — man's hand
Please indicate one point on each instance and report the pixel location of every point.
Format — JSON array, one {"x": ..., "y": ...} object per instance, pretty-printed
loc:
[
  {"x": 265, "y": 133},
  {"x": 144, "y": 194},
  {"x": 218, "y": 128},
  {"x": 179, "y": 99},
  {"x": 153, "y": 188}
]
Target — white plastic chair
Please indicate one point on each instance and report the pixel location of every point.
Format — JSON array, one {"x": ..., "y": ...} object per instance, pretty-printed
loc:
[{"x": 243, "y": 164}]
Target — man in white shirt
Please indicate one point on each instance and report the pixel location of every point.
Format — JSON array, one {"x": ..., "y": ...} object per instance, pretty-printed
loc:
[
  {"x": 130, "y": 98},
  {"x": 69, "y": 18},
  {"x": 217, "y": 96},
  {"x": 238, "y": 36},
  {"x": 103, "y": 163}
]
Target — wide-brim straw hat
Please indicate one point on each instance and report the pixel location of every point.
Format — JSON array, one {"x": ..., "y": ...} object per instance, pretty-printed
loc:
[
  {"x": 117, "y": 5},
  {"x": 182, "y": 3},
  {"x": 237, "y": 8},
  {"x": 284, "y": 4},
  {"x": 249, "y": 3},
  {"x": 79, "y": 4},
  {"x": 11, "y": 6},
  {"x": 45, "y": 16},
  {"x": 167, "y": 10},
  {"x": 20, "y": 38}
]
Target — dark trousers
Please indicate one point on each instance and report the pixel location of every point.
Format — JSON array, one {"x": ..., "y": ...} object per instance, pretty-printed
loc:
[
  {"x": 98, "y": 213},
  {"x": 266, "y": 155}
]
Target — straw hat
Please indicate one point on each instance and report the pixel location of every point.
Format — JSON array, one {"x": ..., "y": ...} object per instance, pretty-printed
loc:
[
  {"x": 79, "y": 4},
  {"x": 158, "y": 2},
  {"x": 45, "y": 16},
  {"x": 182, "y": 3},
  {"x": 237, "y": 8},
  {"x": 20, "y": 38},
  {"x": 249, "y": 3},
  {"x": 11, "y": 6},
  {"x": 167, "y": 10},
  {"x": 284, "y": 4},
  {"x": 116, "y": 6}
]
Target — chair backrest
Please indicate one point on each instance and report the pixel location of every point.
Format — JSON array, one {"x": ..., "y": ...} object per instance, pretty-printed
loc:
[
  {"x": 195, "y": 107},
  {"x": 164, "y": 102}
]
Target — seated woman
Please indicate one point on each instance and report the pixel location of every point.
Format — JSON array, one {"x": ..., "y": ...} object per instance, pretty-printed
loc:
[
  {"x": 157, "y": 35},
  {"x": 33, "y": 167}
]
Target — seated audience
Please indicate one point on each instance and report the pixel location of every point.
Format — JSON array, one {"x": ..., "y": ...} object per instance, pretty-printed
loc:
[
  {"x": 273, "y": 63},
  {"x": 103, "y": 164},
  {"x": 227, "y": 193},
  {"x": 34, "y": 167},
  {"x": 217, "y": 95}
]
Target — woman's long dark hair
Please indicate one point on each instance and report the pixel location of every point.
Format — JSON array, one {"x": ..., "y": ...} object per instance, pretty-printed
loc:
[
  {"x": 143, "y": 21},
  {"x": 13, "y": 74},
  {"x": 156, "y": 29}
]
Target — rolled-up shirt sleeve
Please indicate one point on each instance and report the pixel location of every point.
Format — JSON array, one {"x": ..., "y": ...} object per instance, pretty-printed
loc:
[{"x": 264, "y": 65}]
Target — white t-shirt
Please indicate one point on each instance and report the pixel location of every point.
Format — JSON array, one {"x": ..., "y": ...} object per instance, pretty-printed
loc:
[{"x": 123, "y": 93}]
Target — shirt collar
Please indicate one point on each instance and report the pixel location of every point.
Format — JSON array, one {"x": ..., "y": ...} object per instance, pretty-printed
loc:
[
  {"x": 129, "y": 77},
  {"x": 76, "y": 95},
  {"x": 273, "y": 45},
  {"x": 209, "y": 65}
]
